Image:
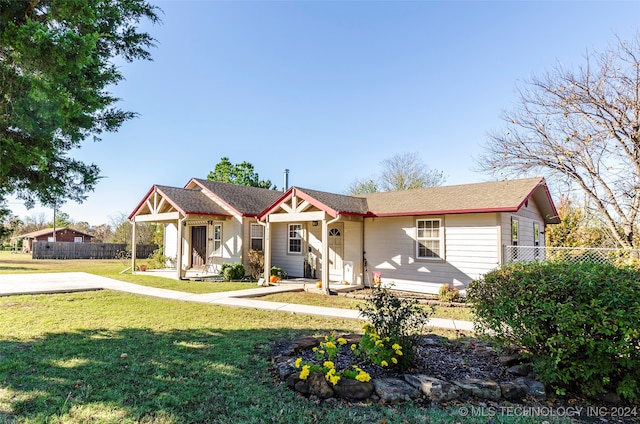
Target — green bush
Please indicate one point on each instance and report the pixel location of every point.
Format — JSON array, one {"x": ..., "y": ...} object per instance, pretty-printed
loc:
[
  {"x": 396, "y": 320},
  {"x": 231, "y": 272},
  {"x": 447, "y": 293},
  {"x": 579, "y": 321},
  {"x": 278, "y": 272}
]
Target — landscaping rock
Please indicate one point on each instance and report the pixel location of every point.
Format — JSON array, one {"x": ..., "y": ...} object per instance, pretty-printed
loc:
[
  {"x": 285, "y": 367},
  {"x": 318, "y": 385},
  {"x": 520, "y": 369},
  {"x": 353, "y": 389},
  {"x": 532, "y": 387},
  {"x": 484, "y": 389},
  {"x": 609, "y": 397},
  {"x": 292, "y": 379},
  {"x": 509, "y": 360},
  {"x": 512, "y": 391},
  {"x": 432, "y": 340},
  {"x": 302, "y": 386},
  {"x": 394, "y": 390},
  {"x": 434, "y": 388},
  {"x": 305, "y": 342}
]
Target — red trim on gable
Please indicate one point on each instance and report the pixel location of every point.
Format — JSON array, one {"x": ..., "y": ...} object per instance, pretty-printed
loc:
[{"x": 142, "y": 202}]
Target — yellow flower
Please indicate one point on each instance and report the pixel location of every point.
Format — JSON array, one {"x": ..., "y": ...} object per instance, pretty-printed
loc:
[
  {"x": 328, "y": 364},
  {"x": 305, "y": 372},
  {"x": 342, "y": 341},
  {"x": 379, "y": 343},
  {"x": 384, "y": 364},
  {"x": 315, "y": 349},
  {"x": 387, "y": 339},
  {"x": 394, "y": 360},
  {"x": 329, "y": 345},
  {"x": 399, "y": 352},
  {"x": 363, "y": 377},
  {"x": 298, "y": 362},
  {"x": 334, "y": 379},
  {"x": 354, "y": 347},
  {"x": 396, "y": 346}
]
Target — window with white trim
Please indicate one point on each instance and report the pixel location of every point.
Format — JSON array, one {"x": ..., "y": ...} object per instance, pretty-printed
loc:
[
  {"x": 295, "y": 238},
  {"x": 257, "y": 237},
  {"x": 536, "y": 234},
  {"x": 78, "y": 239},
  {"x": 428, "y": 239},
  {"x": 514, "y": 231},
  {"x": 217, "y": 240}
]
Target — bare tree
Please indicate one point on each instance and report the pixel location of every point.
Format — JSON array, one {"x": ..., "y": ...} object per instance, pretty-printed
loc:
[
  {"x": 582, "y": 126},
  {"x": 402, "y": 171}
]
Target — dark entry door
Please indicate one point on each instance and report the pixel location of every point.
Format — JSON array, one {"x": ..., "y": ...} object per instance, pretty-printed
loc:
[{"x": 198, "y": 246}]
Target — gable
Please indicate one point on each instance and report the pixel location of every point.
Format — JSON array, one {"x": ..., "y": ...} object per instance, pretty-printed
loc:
[{"x": 163, "y": 203}]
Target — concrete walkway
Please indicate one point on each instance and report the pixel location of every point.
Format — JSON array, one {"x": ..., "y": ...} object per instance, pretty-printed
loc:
[{"x": 66, "y": 282}]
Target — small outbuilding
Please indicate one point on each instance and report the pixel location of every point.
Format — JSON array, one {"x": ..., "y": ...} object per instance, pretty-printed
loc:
[{"x": 61, "y": 235}]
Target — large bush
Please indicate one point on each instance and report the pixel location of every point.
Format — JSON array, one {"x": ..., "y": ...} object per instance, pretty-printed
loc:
[{"x": 579, "y": 321}]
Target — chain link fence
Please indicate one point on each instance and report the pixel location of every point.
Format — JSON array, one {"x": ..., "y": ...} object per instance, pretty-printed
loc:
[{"x": 572, "y": 254}]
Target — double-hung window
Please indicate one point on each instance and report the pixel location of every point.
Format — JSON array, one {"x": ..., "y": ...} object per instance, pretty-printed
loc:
[
  {"x": 257, "y": 237},
  {"x": 429, "y": 239},
  {"x": 295, "y": 238},
  {"x": 217, "y": 240}
]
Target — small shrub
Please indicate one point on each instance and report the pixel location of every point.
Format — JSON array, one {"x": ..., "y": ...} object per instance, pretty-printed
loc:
[
  {"x": 157, "y": 259},
  {"x": 396, "y": 321},
  {"x": 448, "y": 293},
  {"x": 232, "y": 272},
  {"x": 579, "y": 321},
  {"x": 256, "y": 263},
  {"x": 278, "y": 272}
]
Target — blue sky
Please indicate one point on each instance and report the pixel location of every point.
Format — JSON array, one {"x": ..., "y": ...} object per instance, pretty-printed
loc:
[{"x": 329, "y": 89}]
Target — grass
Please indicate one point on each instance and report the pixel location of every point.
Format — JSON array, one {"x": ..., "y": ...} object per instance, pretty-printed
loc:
[
  {"x": 111, "y": 357},
  {"x": 306, "y": 298}
]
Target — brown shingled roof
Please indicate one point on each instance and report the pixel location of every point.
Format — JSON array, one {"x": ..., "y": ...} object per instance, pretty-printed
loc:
[
  {"x": 246, "y": 200},
  {"x": 497, "y": 196},
  {"x": 339, "y": 202},
  {"x": 191, "y": 201}
]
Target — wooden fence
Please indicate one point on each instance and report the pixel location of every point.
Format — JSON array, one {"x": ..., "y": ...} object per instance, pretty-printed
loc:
[{"x": 70, "y": 250}]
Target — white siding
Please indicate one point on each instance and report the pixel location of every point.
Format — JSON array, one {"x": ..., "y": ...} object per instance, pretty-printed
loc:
[
  {"x": 470, "y": 250},
  {"x": 353, "y": 249},
  {"x": 292, "y": 264}
]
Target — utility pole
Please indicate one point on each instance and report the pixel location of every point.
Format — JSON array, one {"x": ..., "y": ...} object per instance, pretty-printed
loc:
[{"x": 54, "y": 223}]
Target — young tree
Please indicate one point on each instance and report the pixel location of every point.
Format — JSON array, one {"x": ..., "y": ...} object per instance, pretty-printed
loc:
[
  {"x": 56, "y": 65},
  {"x": 582, "y": 126},
  {"x": 402, "y": 171},
  {"x": 240, "y": 174}
]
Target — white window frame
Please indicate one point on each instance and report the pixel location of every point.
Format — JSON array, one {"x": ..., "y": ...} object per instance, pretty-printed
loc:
[
  {"x": 253, "y": 236},
  {"x": 78, "y": 239},
  {"x": 294, "y": 234},
  {"x": 426, "y": 239},
  {"x": 536, "y": 234},
  {"x": 216, "y": 237}
]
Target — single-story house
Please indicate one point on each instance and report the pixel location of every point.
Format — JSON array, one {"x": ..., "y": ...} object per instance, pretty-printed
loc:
[
  {"x": 416, "y": 240},
  {"x": 64, "y": 234}
]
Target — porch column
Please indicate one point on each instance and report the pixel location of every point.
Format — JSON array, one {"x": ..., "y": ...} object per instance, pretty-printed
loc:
[
  {"x": 179, "y": 250},
  {"x": 133, "y": 245},
  {"x": 267, "y": 251},
  {"x": 325, "y": 255}
]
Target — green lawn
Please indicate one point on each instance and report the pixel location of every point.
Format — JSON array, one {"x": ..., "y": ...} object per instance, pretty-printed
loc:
[
  {"x": 111, "y": 357},
  {"x": 306, "y": 298}
]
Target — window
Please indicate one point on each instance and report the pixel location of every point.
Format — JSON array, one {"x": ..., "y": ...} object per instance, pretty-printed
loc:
[
  {"x": 514, "y": 232},
  {"x": 295, "y": 238},
  {"x": 536, "y": 234},
  {"x": 217, "y": 240},
  {"x": 428, "y": 239},
  {"x": 78, "y": 239},
  {"x": 257, "y": 237}
]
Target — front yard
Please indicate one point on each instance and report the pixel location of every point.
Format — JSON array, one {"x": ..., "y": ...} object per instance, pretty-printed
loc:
[{"x": 113, "y": 357}]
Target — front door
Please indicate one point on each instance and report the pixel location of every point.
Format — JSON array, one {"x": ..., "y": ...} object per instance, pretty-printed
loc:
[
  {"x": 198, "y": 246},
  {"x": 336, "y": 250}
]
